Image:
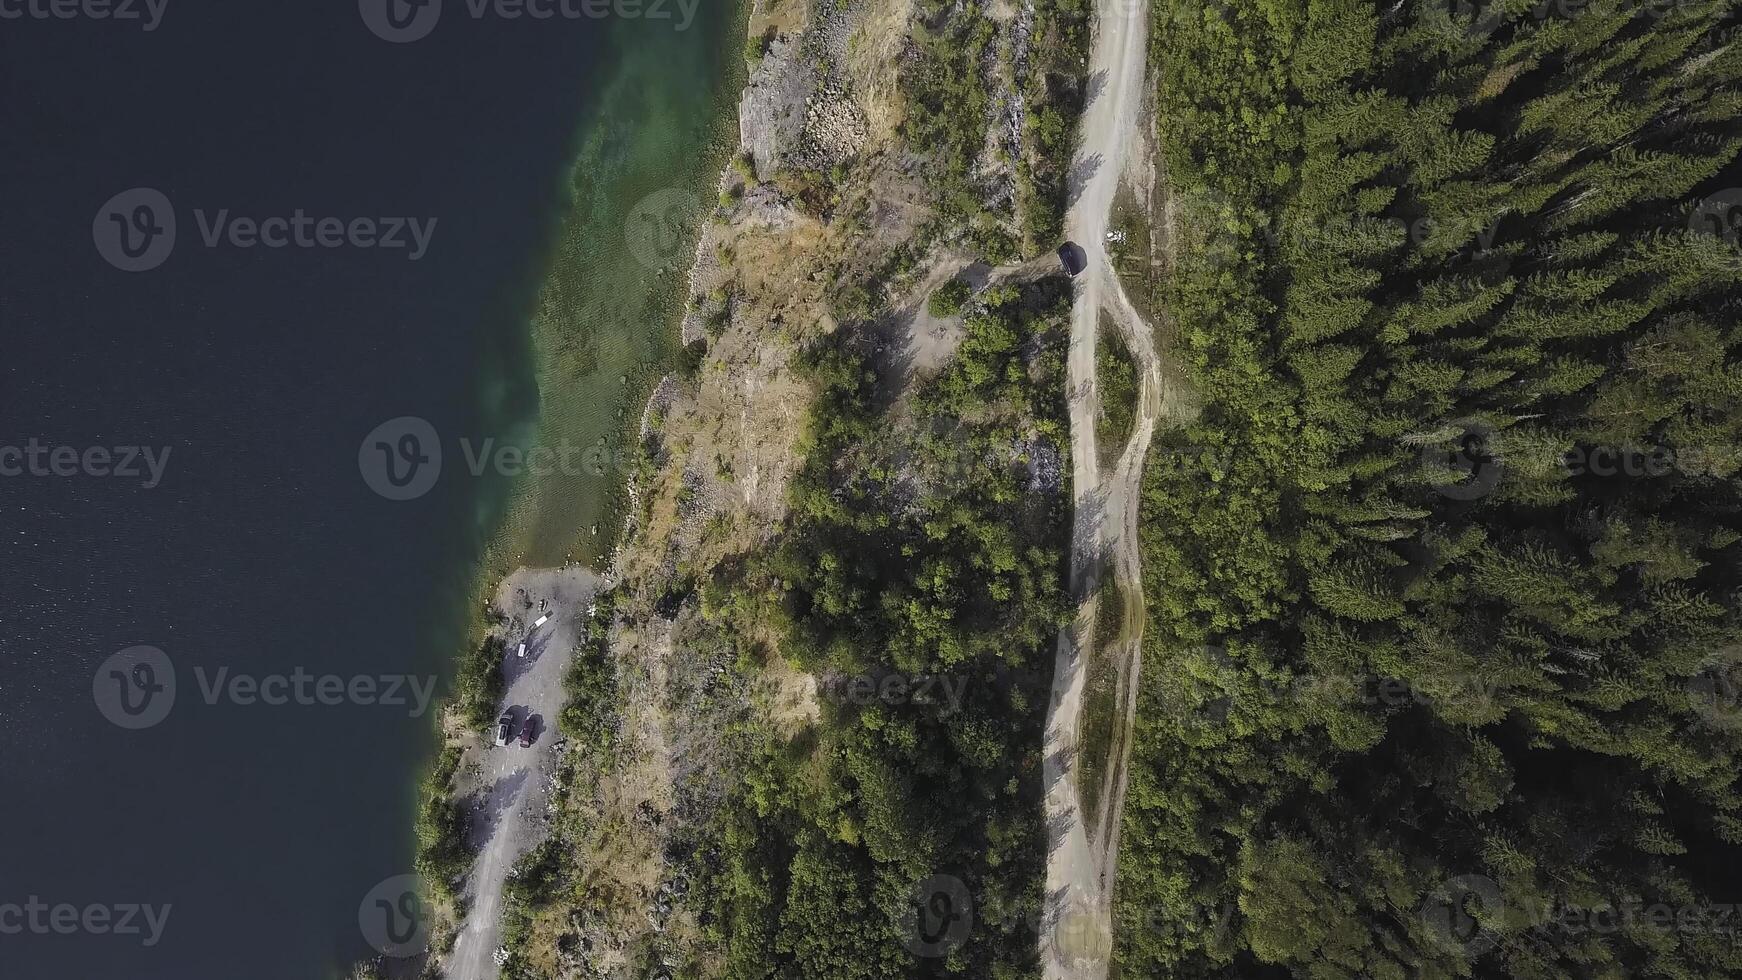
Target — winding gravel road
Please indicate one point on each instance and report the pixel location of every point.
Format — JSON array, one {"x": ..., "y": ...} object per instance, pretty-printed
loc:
[{"x": 1076, "y": 934}]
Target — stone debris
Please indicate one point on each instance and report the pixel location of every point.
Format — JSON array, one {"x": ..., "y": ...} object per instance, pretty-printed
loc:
[
  {"x": 1045, "y": 472},
  {"x": 771, "y": 114},
  {"x": 658, "y": 404},
  {"x": 798, "y": 110},
  {"x": 835, "y": 129}
]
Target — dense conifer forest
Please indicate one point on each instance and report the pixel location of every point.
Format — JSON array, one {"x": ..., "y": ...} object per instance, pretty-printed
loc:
[
  {"x": 1443, "y": 580},
  {"x": 1443, "y": 648}
]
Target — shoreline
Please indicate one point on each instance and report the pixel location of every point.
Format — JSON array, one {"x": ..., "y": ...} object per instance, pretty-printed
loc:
[
  {"x": 655, "y": 686},
  {"x": 501, "y": 563}
]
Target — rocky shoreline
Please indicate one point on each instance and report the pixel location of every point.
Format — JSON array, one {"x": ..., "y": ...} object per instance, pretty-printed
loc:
[
  {"x": 536, "y": 820},
  {"x": 766, "y": 270}
]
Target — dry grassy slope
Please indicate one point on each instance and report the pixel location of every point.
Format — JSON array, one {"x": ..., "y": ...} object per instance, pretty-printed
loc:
[
  {"x": 728, "y": 442},
  {"x": 729, "y": 435}
]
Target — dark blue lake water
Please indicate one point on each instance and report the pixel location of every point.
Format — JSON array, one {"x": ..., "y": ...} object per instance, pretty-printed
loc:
[{"x": 259, "y": 370}]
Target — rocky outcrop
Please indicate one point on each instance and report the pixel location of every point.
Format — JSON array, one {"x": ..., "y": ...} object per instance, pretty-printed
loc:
[
  {"x": 798, "y": 109},
  {"x": 771, "y": 115},
  {"x": 834, "y": 129}
]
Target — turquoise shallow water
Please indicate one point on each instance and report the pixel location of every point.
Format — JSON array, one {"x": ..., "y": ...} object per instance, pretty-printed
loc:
[{"x": 604, "y": 325}]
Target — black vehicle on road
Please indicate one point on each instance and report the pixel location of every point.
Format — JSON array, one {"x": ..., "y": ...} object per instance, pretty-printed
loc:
[{"x": 1074, "y": 259}]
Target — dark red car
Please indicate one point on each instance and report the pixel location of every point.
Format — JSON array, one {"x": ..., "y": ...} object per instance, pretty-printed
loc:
[{"x": 526, "y": 733}]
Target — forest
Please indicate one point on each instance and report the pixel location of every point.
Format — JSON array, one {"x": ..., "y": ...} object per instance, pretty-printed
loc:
[
  {"x": 1441, "y": 673},
  {"x": 1443, "y": 590},
  {"x": 959, "y": 72},
  {"x": 925, "y": 540}
]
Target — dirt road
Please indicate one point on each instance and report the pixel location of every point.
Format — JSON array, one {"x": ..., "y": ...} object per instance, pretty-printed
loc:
[
  {"x": 513, "y": 783},
  {"x": 1076, "y": 934}
]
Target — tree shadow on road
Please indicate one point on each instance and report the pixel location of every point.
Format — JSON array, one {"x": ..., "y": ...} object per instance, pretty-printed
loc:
[
  {"x": 487, "y": 807},
  {"x": 515, "y": 666}
]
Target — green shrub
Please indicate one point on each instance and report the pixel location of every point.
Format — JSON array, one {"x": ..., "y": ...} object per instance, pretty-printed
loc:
[
  {"x": 756, "y": 47},
  {"x": 950, "y": 298},
  {"x": 745, "y": 166},
  {"x": 689, "y": 361},
  {"x": 1116, "y": 380},
  {"x": 442, "y": 855},
  {"x": 479, "y": 685}
]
